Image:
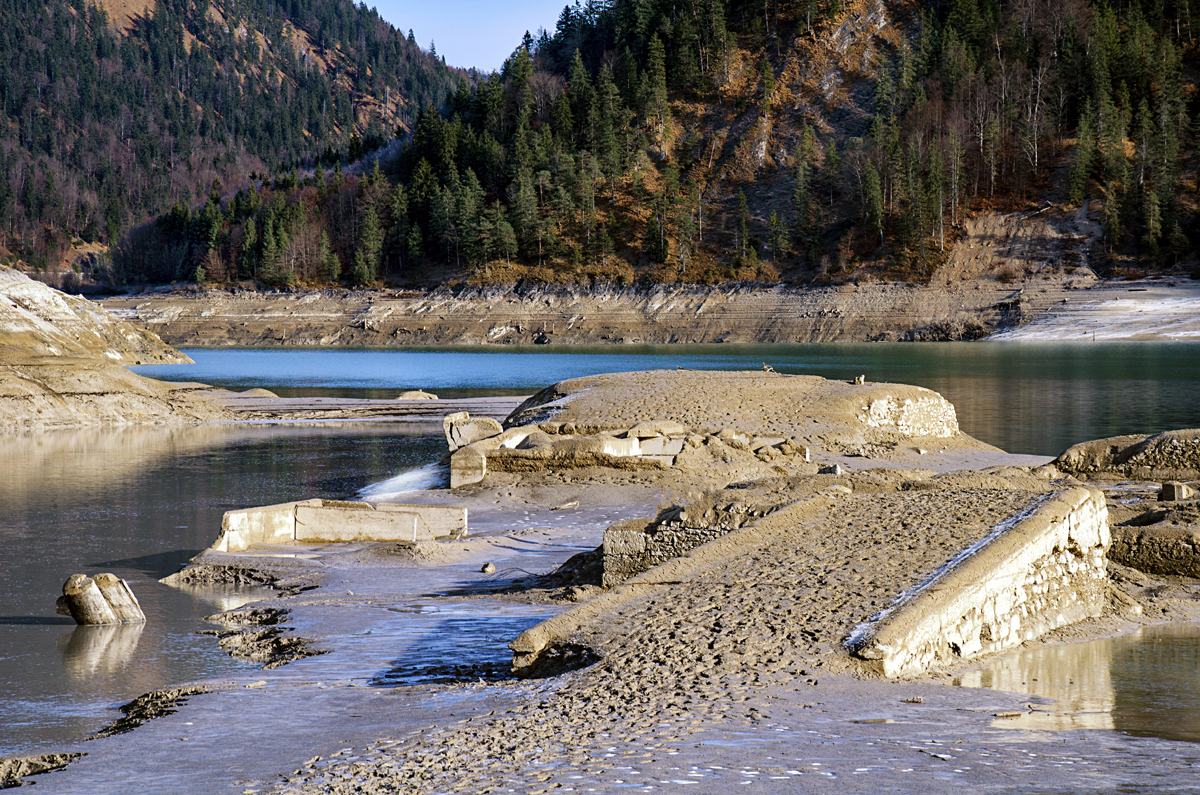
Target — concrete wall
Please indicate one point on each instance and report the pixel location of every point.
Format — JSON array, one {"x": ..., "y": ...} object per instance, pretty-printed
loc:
[
  {"x": 1038, "y": 571},
  {"x": 639, "y": 545},
  {"x": 326, "y": 521},
  {"x": 932, "y": 416}
]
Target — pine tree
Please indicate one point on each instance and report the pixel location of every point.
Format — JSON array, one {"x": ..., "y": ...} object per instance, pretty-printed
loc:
[
  {"x": 1153, "y": 221},
  {"x": 1081, "y": 160},
  {"x": 371, "y": 239},
  {"x": 743, "y": 227},
  {"x": 656, "y": 87},
  {"x": 249, "y": 245},
  {"x": 328, "y": 259},
  {"x": 872, "y": 210},
  {"x": 361, "y": 273},
  {"x": 777, "y": 234}
]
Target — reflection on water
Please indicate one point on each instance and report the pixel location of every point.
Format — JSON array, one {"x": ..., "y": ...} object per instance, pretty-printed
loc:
[
  {"x": 140, "y": 502},
  {"x": 1025, "y": 397},
  {"x": 104, "y": 649},
  {"x": 1146, "y": 684}
]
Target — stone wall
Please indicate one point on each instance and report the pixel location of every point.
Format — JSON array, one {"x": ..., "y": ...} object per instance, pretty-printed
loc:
[
  {"x": 327, "y": 521},
  {"x": 1040, "y": 570},
  {"x": 639, "y": 545}
]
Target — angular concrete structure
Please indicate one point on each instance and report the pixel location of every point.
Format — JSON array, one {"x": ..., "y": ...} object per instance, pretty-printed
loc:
[{"x": 329, "y": 521}]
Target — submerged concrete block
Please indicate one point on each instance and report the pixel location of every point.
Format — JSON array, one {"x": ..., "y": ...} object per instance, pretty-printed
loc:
[{"x": 267, "y": 524}]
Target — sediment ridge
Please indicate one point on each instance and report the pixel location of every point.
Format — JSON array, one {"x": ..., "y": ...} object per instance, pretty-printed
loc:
[{"x": 62, "y": 365}]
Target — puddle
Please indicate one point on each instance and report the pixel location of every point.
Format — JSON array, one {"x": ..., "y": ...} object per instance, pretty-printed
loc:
[
  {"x": 457, "y": 643},
  {"x": 1146, "y": 684}
]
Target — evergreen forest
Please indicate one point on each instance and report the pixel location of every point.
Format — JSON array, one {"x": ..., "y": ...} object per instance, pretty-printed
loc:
[
  {"x": 109, "y": 121},
  {"x": 714, "y": 140}
]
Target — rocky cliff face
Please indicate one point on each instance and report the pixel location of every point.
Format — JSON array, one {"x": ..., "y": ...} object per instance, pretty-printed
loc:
[
  {"x": 61, "y": 363},
  {"x": 37, "y": 321}
]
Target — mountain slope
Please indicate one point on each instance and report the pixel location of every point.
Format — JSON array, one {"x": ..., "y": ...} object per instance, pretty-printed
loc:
[
  {"x": 715, "y": 140},
  {"x": 114, "y": 112}
]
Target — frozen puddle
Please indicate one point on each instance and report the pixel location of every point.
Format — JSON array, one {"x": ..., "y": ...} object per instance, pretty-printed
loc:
[{"x": 458, "y": 643}]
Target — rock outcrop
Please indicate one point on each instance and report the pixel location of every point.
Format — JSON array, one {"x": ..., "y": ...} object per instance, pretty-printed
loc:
[{"x": 61, "y": 365}]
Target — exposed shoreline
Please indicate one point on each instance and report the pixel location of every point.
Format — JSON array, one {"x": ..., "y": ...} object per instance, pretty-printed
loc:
[
  {"x": 360, "y": 717},
  {"x": 1050, "y": 309}
]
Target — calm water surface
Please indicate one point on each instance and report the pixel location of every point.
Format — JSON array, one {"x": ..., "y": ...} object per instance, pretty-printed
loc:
[
  {"x": 140, "y": 503},
  {"x": 1146, "y": 684},
  {"x": 1024, "y": 397}
]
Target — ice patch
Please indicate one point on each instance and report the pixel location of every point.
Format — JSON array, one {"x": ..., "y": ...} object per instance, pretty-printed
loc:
[{"x": 430, "y": 476}]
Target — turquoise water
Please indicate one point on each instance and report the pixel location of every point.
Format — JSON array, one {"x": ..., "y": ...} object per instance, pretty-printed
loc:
[{"x": 1025, "y": 397}]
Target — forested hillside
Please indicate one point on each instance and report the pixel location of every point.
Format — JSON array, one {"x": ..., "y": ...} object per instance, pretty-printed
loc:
[
  {"x": 705, "y": 140},
  {"x": 109, "y": 120}
]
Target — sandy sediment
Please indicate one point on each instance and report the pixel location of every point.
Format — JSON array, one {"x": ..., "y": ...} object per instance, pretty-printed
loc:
[
  {"x": 562, "y": 315},
  {"x": 250, "y": 407},
  {"x": 1036, "y": 309}
]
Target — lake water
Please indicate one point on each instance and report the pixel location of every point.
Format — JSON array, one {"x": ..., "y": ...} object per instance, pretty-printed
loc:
[
  {"x": 1146, "y": 684},
  {"x": 140, "y": 502},
  {"x": 1029, "y": 397}
]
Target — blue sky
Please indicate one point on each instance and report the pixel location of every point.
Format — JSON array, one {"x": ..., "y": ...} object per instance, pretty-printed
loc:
[{"x": 471, "y": 32}]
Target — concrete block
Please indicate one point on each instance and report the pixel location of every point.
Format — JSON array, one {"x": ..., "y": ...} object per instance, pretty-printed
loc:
[
  {"x": 326, "y": 521},
  {"x": 1014, "y": 580},
  {"x": 462, "y": 429},
  {"x": 439, "y": 521},
  {"x": 666, "y": 459},
  {"x": 318, "y": 524},
  {"x": 649, "y": 430},
  {"x": 268, "y": 524},
  {"x": 468, "y": 465},
  {"x": 620, "y": 447},
  {"x": 1173, "y": 490}
]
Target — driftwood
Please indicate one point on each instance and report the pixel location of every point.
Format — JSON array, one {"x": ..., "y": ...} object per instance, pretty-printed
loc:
[{"x": 105, "y": 599}]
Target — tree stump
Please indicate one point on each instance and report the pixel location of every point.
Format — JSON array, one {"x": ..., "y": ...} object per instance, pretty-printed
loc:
[
  {"x": 119, "y": 597},
  {"x": 106, "y": 599}
]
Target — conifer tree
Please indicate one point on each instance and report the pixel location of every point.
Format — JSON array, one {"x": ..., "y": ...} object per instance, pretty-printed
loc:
[
  {"x": 873, "y": 201},
  {"x": 328, "y": 259},
  {"x": 656, "y": 86},
  {"x": 371, "y": 239}
]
